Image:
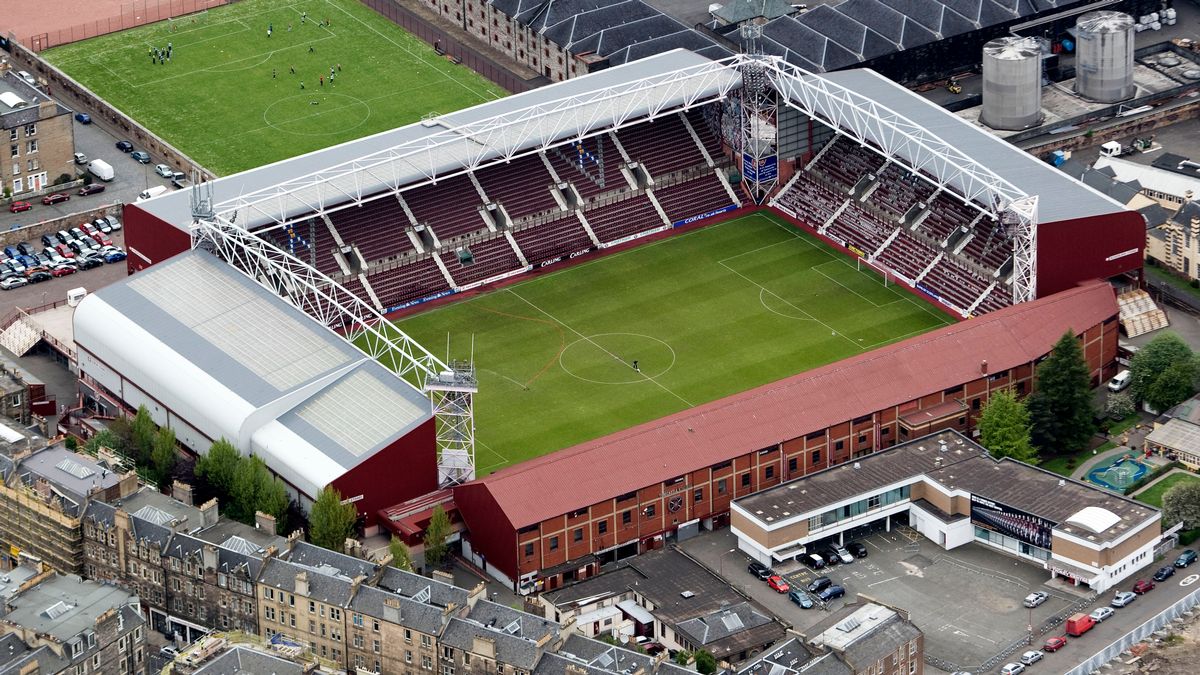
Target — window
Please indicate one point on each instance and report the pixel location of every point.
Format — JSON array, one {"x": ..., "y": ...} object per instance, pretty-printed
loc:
[
  {"x": 791, "y": 465},
  {"x": 862, "y": 438},
  {"x": 312, "y": 607},
  {"x": 698, "y": 496},
  {"x": 375, "y": 646},
  {"x": 357, "y": 620},
  {"x": 426, "y": 641},
  {"x": 721, "y": 487},
  {"x": 335, "y": 614},
  {"x": 359, "y": 661},
  {"x": 770, "y": 472},
  {"x": 577, "y": 535},
  {"x": 358, "y": 640},
  {"x": 375, "y": 625},
  {"x": 553, "y": 543},
  {"x": 528, "y": 550},
  {"x": 602, "y": 527},
  {"x": 31, "y": 129},
  {"x": 426, "y": 662},
  {"x": 33, "y": 145},
  {"x": 16, "y": 168},
  {"x": 626, "y": 517},
  {"x": 15, "y": 150},
  {"x": 448, "y": 652},
  {"x": 816, "y": 457},
  {"x": 745, "y": 480},
  {"x": 447, "y": 669},
  {"x": 408, "y": 656},
  {"x": 974, "y": 404},
  {"x": 312, "y": 626},
  {"x": 650, "y": 510},
  {"x": 12, "y": 134}
]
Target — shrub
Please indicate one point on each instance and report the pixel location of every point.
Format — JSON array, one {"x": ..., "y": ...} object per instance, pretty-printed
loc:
[
  {"x": 1195, "y": 283},
  {"x": 63, "y": 178},
  {"x": 1188, "y": 536}
]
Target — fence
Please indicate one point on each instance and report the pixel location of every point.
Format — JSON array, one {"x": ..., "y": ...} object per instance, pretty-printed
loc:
[
  {"x": 449, "y": 45},
  {"x": 1175, "y": 611},
  {"x": 131, "y": 15}
]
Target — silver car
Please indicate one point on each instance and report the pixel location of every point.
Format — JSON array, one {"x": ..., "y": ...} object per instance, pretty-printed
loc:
[
  {"x": 1031, "y": 657},
  {"x": 1101, "y": 613},
  {"x": 1123, "y": 598},
  {"x": 1035, "y": 598}
]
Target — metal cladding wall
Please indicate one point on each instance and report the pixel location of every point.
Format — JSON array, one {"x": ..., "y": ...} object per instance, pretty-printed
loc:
[
  {"x": 1078, "y": 250},
  {"x": 492, "y": 534},
  {"x": 405, "y": 469},
  {"x": 150, "y": 239}
]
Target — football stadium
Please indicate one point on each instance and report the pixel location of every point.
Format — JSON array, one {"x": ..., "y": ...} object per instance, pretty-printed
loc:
[{"x": 629, "y": 298}]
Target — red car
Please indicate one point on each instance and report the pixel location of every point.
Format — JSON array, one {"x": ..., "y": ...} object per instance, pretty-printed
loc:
[
  {"x": 101, "y": 239},
  {"x": 1143, "y": 586},
  {"x": 62, "y": 271},
  {"x": 1055, "y": 643},
  {"x": 64, "y": 250},
  {"x": 55, "y": 198},
  {"x": 91, "y": 189},
  {"x": 778, "y": 584},
  {"x": 17, "y": 207}
]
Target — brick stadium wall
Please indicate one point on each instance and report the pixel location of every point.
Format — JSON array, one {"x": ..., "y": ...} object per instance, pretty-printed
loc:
[
  {"x": 72, "y": 94},
  {"x": 127, "y": 15}
]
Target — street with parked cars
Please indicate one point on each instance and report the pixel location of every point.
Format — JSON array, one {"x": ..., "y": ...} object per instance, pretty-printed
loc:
[{"x": 85, "y": 247}]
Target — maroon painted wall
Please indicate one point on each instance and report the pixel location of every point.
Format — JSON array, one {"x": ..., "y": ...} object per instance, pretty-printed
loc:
[
  {"x": 149, "y": 239},
  {"x": 405, "y": 469},
  {"x": 1073, "y": 251},
  {"x": 491, "y": 532}
]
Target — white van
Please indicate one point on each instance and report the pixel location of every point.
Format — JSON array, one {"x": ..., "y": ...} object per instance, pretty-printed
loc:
[
  {"x": 1119, "y": 382},
  {"x": 151, "y": 192}
]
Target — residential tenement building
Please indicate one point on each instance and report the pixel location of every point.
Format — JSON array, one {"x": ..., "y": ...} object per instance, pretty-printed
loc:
[{"x": 40, "y": 135}]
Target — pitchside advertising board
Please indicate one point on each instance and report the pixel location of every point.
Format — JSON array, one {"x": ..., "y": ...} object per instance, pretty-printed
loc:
[
  {"x": 761, "y": 170},
  {"x": 1015, "y": 523}
]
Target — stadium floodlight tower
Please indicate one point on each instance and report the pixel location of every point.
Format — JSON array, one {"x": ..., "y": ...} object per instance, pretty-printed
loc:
[
  {"x": 450, "y": 386},
  {"x": 760, "y": 128}
]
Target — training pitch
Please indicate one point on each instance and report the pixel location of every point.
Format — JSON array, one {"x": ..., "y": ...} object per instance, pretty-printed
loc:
[
  {"x": 217, "y": 101},
  {"x": 706, "y": 314}
]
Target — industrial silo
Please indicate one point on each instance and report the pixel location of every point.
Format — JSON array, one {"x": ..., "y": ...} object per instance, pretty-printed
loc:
[
  {"x": 1012, "y": 83},
  {"x": 1104, "y": 56}
]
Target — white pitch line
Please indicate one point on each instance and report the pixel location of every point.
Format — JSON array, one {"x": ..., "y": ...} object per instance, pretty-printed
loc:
[
  {"x": 597, "y": 346},
  {"x": 884, "y": 581}
]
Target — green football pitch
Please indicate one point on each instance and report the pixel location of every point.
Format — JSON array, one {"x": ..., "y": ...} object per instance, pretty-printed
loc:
[
  {"x": 706, "y": 314},
  {"x": 228, "y": 97}
]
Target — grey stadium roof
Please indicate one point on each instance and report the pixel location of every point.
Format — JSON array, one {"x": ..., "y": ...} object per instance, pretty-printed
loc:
[{"x": 234, "y": 360}]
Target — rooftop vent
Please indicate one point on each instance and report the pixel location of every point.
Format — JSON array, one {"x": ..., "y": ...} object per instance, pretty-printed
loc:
[
  {"x": 858, "y": 465},
  {"x": 687, "y": 594},
  {"x": 75, "y": 469},
  {"x": 848, "y": 625}
]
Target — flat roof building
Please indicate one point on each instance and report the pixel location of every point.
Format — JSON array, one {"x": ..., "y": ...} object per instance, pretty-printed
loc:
[{"x": 951, "y": 490}]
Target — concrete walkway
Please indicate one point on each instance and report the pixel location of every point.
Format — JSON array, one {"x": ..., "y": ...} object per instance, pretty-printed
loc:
[
  {"x": 1161, "y": 478},
  {"x": 1081, "y": 472},
  {"x": 1130, "y": 441}
]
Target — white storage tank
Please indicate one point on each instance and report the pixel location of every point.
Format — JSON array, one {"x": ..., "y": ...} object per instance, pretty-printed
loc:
[
  {"x": 1012, "y": 83},
  {"x": 1104, "y": 56}
]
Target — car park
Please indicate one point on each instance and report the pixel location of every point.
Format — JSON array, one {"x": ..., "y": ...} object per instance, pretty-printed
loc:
[
  {"x": 819, "y": 584},
  {"x": 12, "y": 282},
  {"x": 17, "y": 207},
  {"x": 28, "y": 261},
  {"x": 1186, "y": 558},
  {"x": 778, "y": 584},
  {"x": 1122, "y": 599},
  {"x": 125, "y": 146},
  {"x": 93, "y": 188},
  {"x": 11, "y": 251},
  {"x": 1054, "y": 643},
  {"x": 1012, "y": 669},
  {"x": 54, "y": 256},
  {"x": 77, "y": 233},
  {"x": 88, "y": 229},
  {"x": 1143, "y": 586},
  {"x": 759, "y": 570},
  {"x": 1101, "y": 613},
  {"x": 55, "y": 197},
  {"x": 15, "y": 265},
  {"x": 163, "y": 170},
  {"x": 857, "y": 549},
  {"x": 831, "y": 593},
  {"x": 83, "y": 118},
  {"x": 63, "y": 236},
  {"x": 800, "y": 598},
  {"x": 1035, "y": 598},
  {"x": 1164, "y": 573},
  {"x": 813, "y": 561},
  {"x": 140, "y": 156},
  {"x": 1031, "y": 657}
]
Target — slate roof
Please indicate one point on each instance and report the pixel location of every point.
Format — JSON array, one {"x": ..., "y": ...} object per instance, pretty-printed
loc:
[
  {"x": 737, "y": 11},
  {"x": 15, "y": 656},
  {"x": 1186, "y": 212},
  {"x": 732, "y": 629},
  {"x": 232, "y": 562},
  {"x": 419, "y": 616},
  {"x": 601, "y": 655},
  {"x": 330, "y": 562},
  {"x": 519, "y": 652},
  {"x": 280, "y": 574},
  {"x": 183, "y": 546},
  {"x": 100, "y": 512},
  {"x": 489, "y": 613},
  {"x": 1155, "y": 215},
  {"x": 410, "y": 584}
]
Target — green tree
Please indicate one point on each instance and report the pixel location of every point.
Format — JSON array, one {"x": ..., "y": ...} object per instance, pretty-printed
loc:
[
  {"x": 682, "y": 657},
  {"x": 1182, "y": 504},
  {"x": 401, "y": 556},
  {"x": 122, "y": 430},
  {"x": 248, "y": 478},
  {"x": 272, "y": 499},
  {"x": 331, "y": 522},
  {"x": 1004, "y": 427},
  {"x": 1120, "y": 405},
  {"x": 218, "y": 466},
  {"x": 435, "y": 537},
  {"x": 143, "y": 429},
  {"x": 1153, "y": 360},
  {"x": 104, "y": 438},
  {"x": 1175, "y": 385},
  {"x": 71, "y": 443},
  {"x": 1061, "y": 408},
  {"x": 164, "y": 456},
  {"x": 706, "y": 663}
]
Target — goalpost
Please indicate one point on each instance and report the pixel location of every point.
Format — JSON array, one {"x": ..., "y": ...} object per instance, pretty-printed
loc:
[{"x": 878, "y": 269}]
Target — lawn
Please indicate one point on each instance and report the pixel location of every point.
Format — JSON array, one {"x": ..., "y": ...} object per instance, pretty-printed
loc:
[
  {"x": 706, "y": 314},
  {"x": 1153, "y": 495},
  {"x": 228, "y": 97}
]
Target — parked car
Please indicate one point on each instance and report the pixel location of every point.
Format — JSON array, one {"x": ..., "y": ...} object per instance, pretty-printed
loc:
[
  {"x": 87, "y": 263},
  {"x": 1078, "y": 624},
  {"x": 48, "y": 240},
  {"x": 55, "y": 197},
  {"x": 83, "y": 118},
  {"x": 80, "y": 158},
  {"x": 140, "y": 156},
  {"x": 1031, "y": 657},
  {"x": 1054, "y": 643},
  {"x": 94, "y": 188},
  {"x": 1101, "y": 613},
  {"x": 55, "y": 257},
  {"x": 830, "y": 557},
  {"x": 113, "y": 222},
  {"x": 1186, "y": 558},
  {"x": 778, "y": 584},
  {"x": 125, "y": 146},
  {"x": 800, "y": 598},
  {"x": 26, "y": 248},
  {"x": 1035, "y": 598},
  {"x": 1164, "y": 573},
  {"x": 17, "y": 207},
  {"x": 1120, "y": 381},
  {"x": 163, "y": 170},
  {"x": 1012, "y": 669},
  {"x": 1122, "y": 599},
  {"x": 819, "y": 584},
  {"x": 64, "y": 250},
  {"x": 102, "y": 239},
  {"x": 102, "y": 225},
  {"x": 857, "y": 549},
  {"x": 1143, "y": 586},
  {"x": 11, "y": 251},
  {"x": 62, "y": 270},
  {"x": 37, "y": 276},
  {"x": 88, "y": 229},
  {"x": 12, "y": 282},
  {"x": 169, "y": 652},
  {"x": 63, "y": 237},
  {"x": 813, "y": 561},
  {"x": 759, "y": 570},
  {"x": 840, "y": 555},
  {"x": 831, "y": 593}
]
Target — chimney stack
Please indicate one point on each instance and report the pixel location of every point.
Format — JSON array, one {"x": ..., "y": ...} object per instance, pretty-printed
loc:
[
  {"x": 264, "y": 522},
  {"x": 182, "y": 492},
  {"x": 209, "y": 514},
  {"x": 983, "y": 367}
]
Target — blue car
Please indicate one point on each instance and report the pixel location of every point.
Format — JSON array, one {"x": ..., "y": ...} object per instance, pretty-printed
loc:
[
  {"x": 801, "y": 598},
  {"x": 11, "y": 251},
  {"x": 28, "y": 261},
  {"x": 114, "y": 256},
  {"x": 83, "y": 118}
]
